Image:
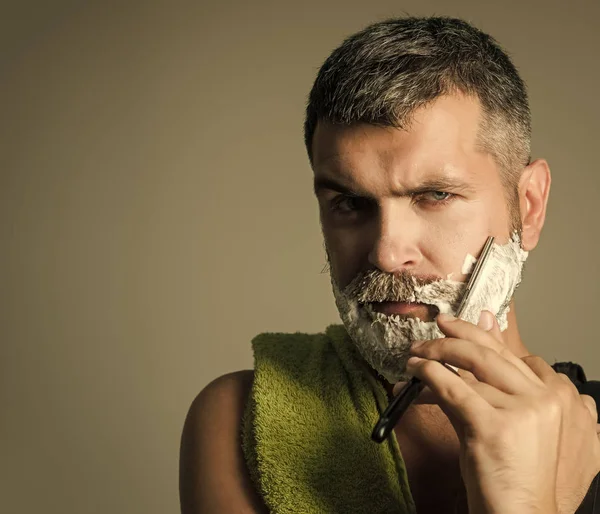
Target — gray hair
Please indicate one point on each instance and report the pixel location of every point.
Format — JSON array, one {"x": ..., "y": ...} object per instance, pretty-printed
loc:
[{"x": 383, "y": 73}]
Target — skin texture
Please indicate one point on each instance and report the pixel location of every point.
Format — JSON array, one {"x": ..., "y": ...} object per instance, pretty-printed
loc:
[
  {"x": 213, "y": 477},
  {"x": 392, "y": 230},
  {"x": 395, "y": 219},
  {"x": 523, "y": 439},
  {"x": 528, "y": 440},
  {"x": 384, "y": 338}
]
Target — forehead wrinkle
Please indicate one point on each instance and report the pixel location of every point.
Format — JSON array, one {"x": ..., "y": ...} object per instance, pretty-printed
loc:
[
  {"x": 404, "y": 173},
  {"x": 350, "y": 173},
  {"x": 385, "y": 167},
  {"x": 420, "y": 165}
]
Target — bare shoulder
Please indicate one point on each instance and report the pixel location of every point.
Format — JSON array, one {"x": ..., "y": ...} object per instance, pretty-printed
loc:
[
  {"x": 213, "y": 477},
  {"x": 219, "y": 407},
  {"x": 231, "y": 388}
]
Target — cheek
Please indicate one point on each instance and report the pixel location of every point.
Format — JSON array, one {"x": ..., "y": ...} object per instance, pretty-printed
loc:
[
  {"x": 344, "y": 250},
  {"x": 448, "y": 240}
]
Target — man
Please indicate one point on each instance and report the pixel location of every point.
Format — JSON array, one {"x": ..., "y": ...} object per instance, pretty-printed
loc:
[{"x": 418, "y": 133}]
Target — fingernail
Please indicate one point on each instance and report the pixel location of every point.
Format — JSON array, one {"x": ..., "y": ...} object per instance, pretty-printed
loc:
[
  {"x": 416, "y": 344},
  {"x": 445, "y": 317},
  {"x": 397, "y": 388},
  {"x": 486, "y": 320}
]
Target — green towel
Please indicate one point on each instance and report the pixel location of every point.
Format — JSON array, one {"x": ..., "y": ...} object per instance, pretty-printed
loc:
[{"x": 307, "y": 429}]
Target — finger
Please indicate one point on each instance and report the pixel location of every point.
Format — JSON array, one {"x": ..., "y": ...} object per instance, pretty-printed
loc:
[
  {"x": 426, "y": 391},
  {"x": 489, "y": 323},
  {"x": 453, "y": 327},
  {"x": 467, "y": 375},
  {"x": 543, "y": 370},
  {"x": 459, "y": 401},
  {"x": 428, "y": 397},
  {"x": 484, "y": 363},
  {"x": 496, "y": 333},
  {"x": 398, "y": 387},
  {"x": 491, "y": 395}
]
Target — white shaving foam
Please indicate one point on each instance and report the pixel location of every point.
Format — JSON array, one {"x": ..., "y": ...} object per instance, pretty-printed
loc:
[
  {"x": 468, "y": 265},
  {"x": 384, "y": 341}
]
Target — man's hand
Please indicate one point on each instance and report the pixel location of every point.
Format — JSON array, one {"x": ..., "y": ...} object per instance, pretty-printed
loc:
[{"x": 528, "y": 440}]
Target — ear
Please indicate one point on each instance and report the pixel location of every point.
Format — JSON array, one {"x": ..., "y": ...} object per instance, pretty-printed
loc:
[{"x": 534, "y": 189}]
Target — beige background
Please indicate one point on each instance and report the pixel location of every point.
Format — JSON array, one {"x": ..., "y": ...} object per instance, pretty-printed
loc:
[{"x": 156, "y": 213}]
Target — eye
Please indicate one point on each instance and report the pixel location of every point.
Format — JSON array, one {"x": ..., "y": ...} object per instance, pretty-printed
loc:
[
  {"x": 347, "y": 203},
  {"x": 439, "y": 195},
  {"x": 435, "y": 198}
]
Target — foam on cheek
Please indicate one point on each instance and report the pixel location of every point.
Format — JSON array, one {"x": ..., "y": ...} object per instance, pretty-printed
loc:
[
  {"x": 468, "y": 265},
  {"x": 446, "y": 303},
  {"x": 384, "y": 341},
  {"x": 497, "y": 283}
]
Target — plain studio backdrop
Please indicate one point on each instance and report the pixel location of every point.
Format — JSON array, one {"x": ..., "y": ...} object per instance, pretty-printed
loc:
[{"x": 156, "y": 213}]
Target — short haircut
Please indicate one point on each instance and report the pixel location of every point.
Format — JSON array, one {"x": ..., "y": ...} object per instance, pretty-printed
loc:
[{"x": 383, "y": 73}]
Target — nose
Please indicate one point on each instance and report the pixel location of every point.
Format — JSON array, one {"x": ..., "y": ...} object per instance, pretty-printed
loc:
[{"x": 395, "y": 247}]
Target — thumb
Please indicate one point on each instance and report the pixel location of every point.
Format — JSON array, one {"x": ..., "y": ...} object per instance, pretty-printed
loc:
[{"x": 489, "y": 323}]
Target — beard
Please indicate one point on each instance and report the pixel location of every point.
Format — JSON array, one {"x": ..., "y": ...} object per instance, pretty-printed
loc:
[{"x": 385, "y": 341}]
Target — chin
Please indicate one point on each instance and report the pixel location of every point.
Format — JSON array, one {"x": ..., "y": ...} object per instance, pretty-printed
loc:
[{"x": 383, "y": 341}]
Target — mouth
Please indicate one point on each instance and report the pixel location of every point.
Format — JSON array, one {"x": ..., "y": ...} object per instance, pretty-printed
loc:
[{"x": 422, "y": 311}]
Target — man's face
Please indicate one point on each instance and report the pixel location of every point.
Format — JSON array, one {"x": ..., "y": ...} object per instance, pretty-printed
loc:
[{"x": 412, "y": 203}]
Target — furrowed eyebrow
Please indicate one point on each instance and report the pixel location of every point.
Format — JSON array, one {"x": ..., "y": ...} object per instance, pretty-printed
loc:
[
  {"x": 440, "y": 184},
  {"x": 435, "y": 184},
  {"x": 327, "y": 184}
]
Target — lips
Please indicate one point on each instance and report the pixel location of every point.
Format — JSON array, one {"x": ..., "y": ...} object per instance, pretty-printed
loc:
[
  {"x": 402, "y": 308},
  {"x": 423, "y": 311}
]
